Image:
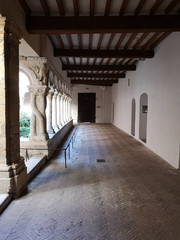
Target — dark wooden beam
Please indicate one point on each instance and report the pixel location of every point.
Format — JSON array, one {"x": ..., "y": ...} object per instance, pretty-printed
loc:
[
  {"x": 171, "y": 5},
  {"x": 92, "y": 5},
  {"x": 110, "y": 41},
  {"x": 155, "y": 6},
  {"x": 123, "y": 7},
  {"x": 141, "y": 39},
  {"x": 25, "y": 7},
  {"x": 101, "y": 24},
  {"x": 60, "y": 7},
  {"x": 60, "y": 41},
  {"x": 76, "y": 9},
  {"x": 160, "y": 39},
  {"x": 96, "y": 75},
  {"x": 107, "y": 7},
  {"x": 133, "y": 36},
  {"x": 95, "y": 82},
  {"x": 121, "y": 39},
  {"x": 103, "y": 53},
  {"x": 151, "y": 40},
  {"x": 99, "y": 67},
  {"x": 139, "y": 6},
  {"x": 45, "y": 7}
]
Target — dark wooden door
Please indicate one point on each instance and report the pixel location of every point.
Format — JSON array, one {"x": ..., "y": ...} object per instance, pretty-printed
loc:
[{"x": 86, "y": 107}]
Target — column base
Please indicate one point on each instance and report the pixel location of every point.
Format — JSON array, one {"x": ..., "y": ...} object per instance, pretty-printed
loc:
[
  {"x": 13, "y": 179},
  {"x": 40, "y": 137},
  {"x": 51, "y": 131}
]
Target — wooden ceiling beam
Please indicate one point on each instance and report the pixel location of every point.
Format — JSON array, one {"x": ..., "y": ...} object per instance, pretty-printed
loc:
[
  {"x": 139, "y": 6},
  {"x": 60, "y": 41},
  {"x": 96, "y": 75},
  {"x": 103, "y": 53},
  {"x": 107, "y": 7},
  {"x": 158, "y": 40},
  {"x": 133, "y": 36},
  {"x": 171, "y": 5},
  {"x": 25, "y": 7},
  {"x": 98, "y": 24},
  {"x": 99, "y": 67},
  {"x": 95, "y": 82},
  {"x": 92, "y": 5},
  {"x": 123, "y": 7},
  {"x": 121, "y": 39},
  {"x": 151, "y": 40},
  {"x": 141, "y": 39},
  {"x": 155, "y": 6},
  {"x": 60, "y": 7},
  {"x": 76, "y": 9},
  {"x": 45, "y": 7}
]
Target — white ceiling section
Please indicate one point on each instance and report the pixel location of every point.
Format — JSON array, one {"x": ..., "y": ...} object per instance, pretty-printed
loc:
[{"x": 138, "y": 40}]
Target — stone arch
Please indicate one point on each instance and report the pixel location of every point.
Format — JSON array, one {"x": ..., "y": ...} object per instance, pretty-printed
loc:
[
  {"x": 143, "y": 117},
  {"x": 133, "y": 116}
]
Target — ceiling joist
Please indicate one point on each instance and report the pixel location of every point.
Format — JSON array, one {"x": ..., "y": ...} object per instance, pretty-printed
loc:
[
  {"x": 95, "y": 82},
  {"x": 92, "y": 53},
  {"x": 96, "y": 75},
  {"x": 102, "y": 24},
  {"x": 99, "y": 67}
]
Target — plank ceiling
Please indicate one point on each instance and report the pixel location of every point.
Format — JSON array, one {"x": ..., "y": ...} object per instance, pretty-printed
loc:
[{"x": 98, "y": 41}]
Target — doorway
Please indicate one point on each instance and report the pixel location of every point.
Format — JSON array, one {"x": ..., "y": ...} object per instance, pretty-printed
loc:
[
  {"x": 86, "y": 107},
  {"x": 143, "y": 117},
  {"x": 133, "y": 117}
]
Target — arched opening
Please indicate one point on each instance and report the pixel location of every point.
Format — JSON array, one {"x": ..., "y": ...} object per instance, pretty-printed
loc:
[
  {"x": 25, "y": 107},
  {"x": 143, "y": 117},
  {"x": 133, "y": 117}
]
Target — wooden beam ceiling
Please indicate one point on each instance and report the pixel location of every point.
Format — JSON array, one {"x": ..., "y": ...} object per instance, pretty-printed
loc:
[
  {"x": 99, "y": 67},
  {"x": 103, "y": 53},
  {"x": 60, "y": 7},
  {"x": 102, "y": 24},
  {"x": 96, "y": 75},
  {"x": 25, "y": 7},
  {"x": 94, "y": 82}
]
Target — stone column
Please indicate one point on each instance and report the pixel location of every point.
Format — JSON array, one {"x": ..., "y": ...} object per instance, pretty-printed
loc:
[
  {"x": 59, "y": 110},
  {"x": 65, "y": 109},
  {"x": 70, "y": 106},
  {"x": 13, "y": 173},
  {"x": 50, "y": 129},
  {"x": 54, "y": 113},
  {"x": 38, "y": 117}
]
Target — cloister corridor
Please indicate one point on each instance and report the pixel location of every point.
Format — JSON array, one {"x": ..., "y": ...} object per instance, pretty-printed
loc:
[{"x": 134, "y": 194}]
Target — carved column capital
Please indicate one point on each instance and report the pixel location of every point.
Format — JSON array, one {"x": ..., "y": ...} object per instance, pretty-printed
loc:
[{"x": 10, "y": 29}]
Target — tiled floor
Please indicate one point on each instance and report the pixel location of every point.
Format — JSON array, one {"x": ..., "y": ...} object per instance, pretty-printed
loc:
[{"x": 132, "y": 195}]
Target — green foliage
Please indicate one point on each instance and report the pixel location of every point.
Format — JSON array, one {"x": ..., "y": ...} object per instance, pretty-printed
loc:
[
  {"x": 24, "y": 132},
  {"x": 24, "y": 123}
]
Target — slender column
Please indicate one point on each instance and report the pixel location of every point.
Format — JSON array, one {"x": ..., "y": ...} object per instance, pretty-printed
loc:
[
  {"x": 50, "y": 129},
  {"x": 70, "y": 109},
  {"x": 38, "y": 117},
  {"x": 13, "y": 173},
  {"x": 54, "y": 115},
  {"x": 61, "y": 110},
  {"x": 65, "y": 109},
  {"x": 58, "y": 110}
]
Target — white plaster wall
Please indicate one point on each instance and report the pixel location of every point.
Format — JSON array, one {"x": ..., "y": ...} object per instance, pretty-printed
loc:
[
  {"x": 160, "y": 79},
  {"x": 103, "y": 102}
]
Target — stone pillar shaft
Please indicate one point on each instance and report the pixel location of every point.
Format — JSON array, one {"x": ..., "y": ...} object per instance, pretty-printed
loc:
[
  {"x": 38, "y": 117},
  {"x": 12, "y": 168},
  {"x": 49, "y": 113},
  {"x": 54, "y": 116}
]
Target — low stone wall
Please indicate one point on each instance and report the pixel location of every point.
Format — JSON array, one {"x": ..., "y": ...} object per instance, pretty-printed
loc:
[{"x": 55, "y": 141}]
